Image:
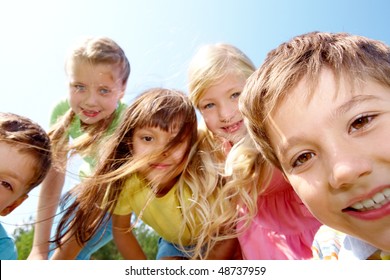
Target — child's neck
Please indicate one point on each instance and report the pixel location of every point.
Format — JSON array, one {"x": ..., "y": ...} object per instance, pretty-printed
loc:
[{"x": 162, "y": 190}]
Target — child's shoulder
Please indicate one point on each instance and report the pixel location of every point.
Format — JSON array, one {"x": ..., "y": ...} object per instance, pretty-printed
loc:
[{"x": 7, "y": 246}]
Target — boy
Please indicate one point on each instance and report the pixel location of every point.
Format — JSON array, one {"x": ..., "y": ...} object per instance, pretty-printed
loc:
[
  {"x": 319, "y": 109},
  {"x": 25, "y": 158}
]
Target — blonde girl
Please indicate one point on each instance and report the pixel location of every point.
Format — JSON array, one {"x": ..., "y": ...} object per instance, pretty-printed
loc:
[
  {"x": 262, "y": 211},
  {"x": 97, "y": 70},
  {"x": 141, "y": 174}
]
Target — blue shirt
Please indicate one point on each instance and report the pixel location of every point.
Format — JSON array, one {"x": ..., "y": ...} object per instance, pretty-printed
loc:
[{"x": 7, "y": 246}]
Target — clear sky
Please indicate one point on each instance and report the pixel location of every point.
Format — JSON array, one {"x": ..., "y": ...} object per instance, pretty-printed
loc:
[{"x": 159, "y": 38}]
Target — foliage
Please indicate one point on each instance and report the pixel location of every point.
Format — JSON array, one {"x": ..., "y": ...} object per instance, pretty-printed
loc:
[
  {"x": 145, "y": 235},
  {"x": 148, "y": 240},
  {"x": 24, "y": 239}
]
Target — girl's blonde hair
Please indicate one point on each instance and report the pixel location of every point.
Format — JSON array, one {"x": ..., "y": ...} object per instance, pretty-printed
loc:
[
  {"x": 355, "y": 57},
  {"x": 30, "y": 138},
  {"x": 158, "y": 107},
  {"x": 209, "y": 66},
  {"x": 97, "y": 50}
]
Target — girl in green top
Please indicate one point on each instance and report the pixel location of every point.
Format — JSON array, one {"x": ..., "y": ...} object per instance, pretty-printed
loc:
[{"x": 97, "y": 70}]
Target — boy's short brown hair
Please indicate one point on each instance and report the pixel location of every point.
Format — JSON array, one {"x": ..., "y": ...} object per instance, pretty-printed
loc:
[{"x": 29, "y": 137}]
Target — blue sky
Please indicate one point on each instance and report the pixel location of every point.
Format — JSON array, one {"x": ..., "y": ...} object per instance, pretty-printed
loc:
[{"x": 159, "y": 38}]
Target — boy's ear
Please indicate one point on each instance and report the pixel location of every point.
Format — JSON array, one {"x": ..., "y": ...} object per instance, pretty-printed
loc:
[{"x": 15, "y": 204}]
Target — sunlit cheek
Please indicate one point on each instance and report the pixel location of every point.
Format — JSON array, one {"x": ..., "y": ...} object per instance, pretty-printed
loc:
[
  {"x": 178, "y": 156},
  {"x": 301, "y": 187}
]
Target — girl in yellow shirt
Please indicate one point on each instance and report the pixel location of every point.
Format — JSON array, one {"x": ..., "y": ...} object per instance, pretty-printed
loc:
[{"x": 150, "y": 168}]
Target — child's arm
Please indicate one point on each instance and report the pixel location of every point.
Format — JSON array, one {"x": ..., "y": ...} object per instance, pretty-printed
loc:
[
  {"x": 124, "y": 239},
  {"x": 49, "y": 197},
  {"x": 68, "y": 251}
]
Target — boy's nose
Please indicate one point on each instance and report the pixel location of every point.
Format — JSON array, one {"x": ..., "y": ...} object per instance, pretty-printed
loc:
[{"x": 348, "y": 169}]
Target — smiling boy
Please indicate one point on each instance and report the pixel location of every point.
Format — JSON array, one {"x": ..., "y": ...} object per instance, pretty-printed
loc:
[{"x": 319, "y": 109}]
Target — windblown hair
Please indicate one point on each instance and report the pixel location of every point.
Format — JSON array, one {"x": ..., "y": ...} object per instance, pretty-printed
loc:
[
  {"x": 98, "y": 195},
  {"x": 30, "y": 138},
  {"x": 236, "y": 190},
  {"x": 210, "y": 65},
  {"x": 99, "y": 50},
  {"x": 303, "y": 57}
]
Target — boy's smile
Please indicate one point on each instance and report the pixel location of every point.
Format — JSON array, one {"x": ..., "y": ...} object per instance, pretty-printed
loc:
[{"x": 333, "y": 145}]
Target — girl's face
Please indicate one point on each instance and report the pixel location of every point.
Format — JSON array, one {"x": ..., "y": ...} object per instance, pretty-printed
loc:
[
  {"x": 219, "y": 108},
  {"x": 16, "y": 172},
  {"x": 149, "y": 140},
  {"x": 94, "y": 90},
  {"x": 335, "y": 151}
]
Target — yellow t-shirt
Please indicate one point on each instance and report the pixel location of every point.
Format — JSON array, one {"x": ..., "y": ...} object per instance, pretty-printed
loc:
[{"x": 163, "y": 214}]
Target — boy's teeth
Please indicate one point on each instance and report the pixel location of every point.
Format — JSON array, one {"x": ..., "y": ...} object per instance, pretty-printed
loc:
[
  {"x": 368, "y": 203},
  {"x": 357, "y": 206},
  {"x": 376, "y": 201},
  {"x": 379, "y": 197}
]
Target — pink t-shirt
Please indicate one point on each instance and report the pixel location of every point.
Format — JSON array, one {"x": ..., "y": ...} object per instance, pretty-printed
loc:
[{"x": 283, "y": 228}]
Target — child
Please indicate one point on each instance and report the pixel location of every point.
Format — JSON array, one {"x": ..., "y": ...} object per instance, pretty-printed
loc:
[
  {"x": 319, "y": 109},
  {"x": 217, "y": 76},
  {"x": 98, "y": 71},
  {"x": 25, "y": 160},
  {"x": 140, "y": 173}
]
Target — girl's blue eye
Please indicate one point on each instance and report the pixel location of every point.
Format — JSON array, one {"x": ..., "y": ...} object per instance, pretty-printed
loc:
[
  {"x": 104, "y": 91},
  {"x": 208, "y": 106},
  {"x": 236, "y": 95},
  {"x": 302, "y": 158},
  {"x": 79, "y": 87}
]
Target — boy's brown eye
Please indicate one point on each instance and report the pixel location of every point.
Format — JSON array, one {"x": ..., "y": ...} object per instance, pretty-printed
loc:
[
  {"x": 360, "y": 123},
  {"x": 301, "y": 159}
]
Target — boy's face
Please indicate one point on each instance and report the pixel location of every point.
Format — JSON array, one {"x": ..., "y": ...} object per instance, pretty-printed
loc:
[
  {"x": 16, "y": 171},
  {"x": 219, "y": 108},
  {"x": 94, "y": 90},
  {"x": 335, "y": 151}
]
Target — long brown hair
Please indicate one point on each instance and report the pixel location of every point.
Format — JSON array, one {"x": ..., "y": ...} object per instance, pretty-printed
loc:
[{"x": 98, "y": 195}]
